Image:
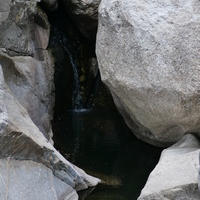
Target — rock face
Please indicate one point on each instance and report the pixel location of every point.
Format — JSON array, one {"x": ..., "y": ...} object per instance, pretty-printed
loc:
[
  {"x": 85, "y": 15},
  {"x": 148, "y": 54},
  {"x": 26, "y": 102},
  {"x": 24, "y": 31},
  {"x": 17, "y": 26},
  {"x": 19, "y": 177},
  {"x": 176, "y": 174},
  {"x": 20, "y": 139},
  {"x": 30, "y": 82}
]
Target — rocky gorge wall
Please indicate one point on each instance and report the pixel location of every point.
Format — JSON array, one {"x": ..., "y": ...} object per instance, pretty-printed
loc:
[
  {"x": 27, "y": 100},
  {"x": 148, "y": 55}
]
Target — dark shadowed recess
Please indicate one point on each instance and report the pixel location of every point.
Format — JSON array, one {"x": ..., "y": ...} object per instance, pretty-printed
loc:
[
  {"x": 77, "y": 79},
  {"x": 88, "y": 129}
]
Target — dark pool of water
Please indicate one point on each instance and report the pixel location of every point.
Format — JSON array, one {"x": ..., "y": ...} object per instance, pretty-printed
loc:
[{"x": 99, "y": 142}]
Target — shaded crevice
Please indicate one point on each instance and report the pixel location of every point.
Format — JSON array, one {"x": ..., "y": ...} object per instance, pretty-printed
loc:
[{"x": 77, "y": 79}]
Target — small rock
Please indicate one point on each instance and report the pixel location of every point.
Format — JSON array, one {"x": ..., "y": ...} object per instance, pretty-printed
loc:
[{"x": 176, "y": 175}]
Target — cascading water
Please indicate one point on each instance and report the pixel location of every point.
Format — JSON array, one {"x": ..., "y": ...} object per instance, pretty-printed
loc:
[
  {"x": 76, "y": 73},
  {"x": 77, "y": 102}
]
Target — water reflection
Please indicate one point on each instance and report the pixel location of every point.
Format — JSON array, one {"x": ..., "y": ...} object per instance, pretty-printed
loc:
[{"x": 99, "y": 142}]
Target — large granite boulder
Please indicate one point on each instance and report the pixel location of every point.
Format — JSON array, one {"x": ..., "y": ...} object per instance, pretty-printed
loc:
[
  {"x": 148, "y": 55},
  {"x": 85, "y": 15},
  {"x": 176, "y": 175}
]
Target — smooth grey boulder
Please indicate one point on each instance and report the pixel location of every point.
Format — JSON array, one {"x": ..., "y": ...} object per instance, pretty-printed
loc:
[
  {"x": 85, "y": 15},
  {"x": 28, "y": 180},
  {"x": 176, "y": 175},
  {"x": 148, "y": 55}
]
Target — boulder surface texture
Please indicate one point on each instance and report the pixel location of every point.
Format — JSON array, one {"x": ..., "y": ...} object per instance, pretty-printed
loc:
[
  {"x": 85, "y": 15},
  {"x": 29, "y": 162},
  {"x": 148, "y": 55},
  {"x": 26, "y": 174},
  {"x": 176, "y": 175}
]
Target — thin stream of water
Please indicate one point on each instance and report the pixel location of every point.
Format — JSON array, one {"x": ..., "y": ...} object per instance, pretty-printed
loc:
[{"x": 77, "y": 97}]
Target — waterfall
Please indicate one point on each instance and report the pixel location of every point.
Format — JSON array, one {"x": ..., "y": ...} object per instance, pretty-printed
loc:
[
  {"x": 77, "y": 79},
  {"x": 77, "y": 102}
]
